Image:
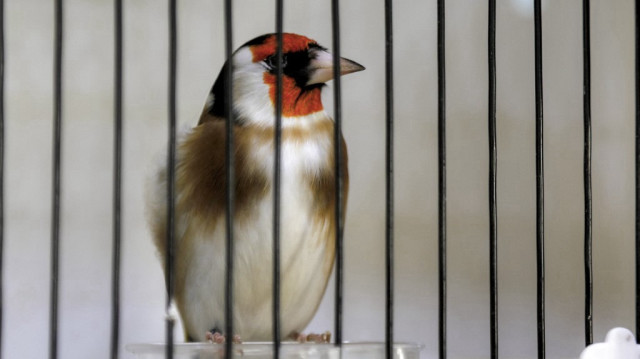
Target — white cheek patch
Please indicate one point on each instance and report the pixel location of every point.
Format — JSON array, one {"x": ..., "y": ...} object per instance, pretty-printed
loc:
[
  {"x": 251, "y": 95},
  {"x": 242, "y": 57}
]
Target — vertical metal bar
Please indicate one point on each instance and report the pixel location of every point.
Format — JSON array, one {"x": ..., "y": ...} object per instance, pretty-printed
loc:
[
  {"x": 442, "y": 187},
  {"x": 117, "y": 184},
  {"x": 171, "y": 167},
  {"x": 588, "y": 272},
  {"x": 389, "y": 176},
  {"x": 539, "y": 180},
  {"x": 57, "y": 163},
  {"x": 493, "y": 207},
  {"x": 637, "y": 59},
  {"x": 277, "y": 183},
  {"x": 1, "y": 170},
  {"x": 230, "y": 180},
  {"x": 339, "y": 181}
]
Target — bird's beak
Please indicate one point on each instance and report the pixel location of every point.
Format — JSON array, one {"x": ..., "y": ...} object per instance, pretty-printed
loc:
[{"x": 321, "y": 67}]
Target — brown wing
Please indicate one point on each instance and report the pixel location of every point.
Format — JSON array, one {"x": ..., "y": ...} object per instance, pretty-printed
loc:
[{"x": 201, "y": 186}]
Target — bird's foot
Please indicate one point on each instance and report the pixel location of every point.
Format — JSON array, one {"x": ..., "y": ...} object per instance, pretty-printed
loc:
[
  {"x": 215, "y": 337},
  {"x": 312, "y": 337}
]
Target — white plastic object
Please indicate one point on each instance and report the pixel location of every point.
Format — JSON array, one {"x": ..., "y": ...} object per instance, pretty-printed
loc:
[
  {"x": 287, "y": 351},
  {"x": 619, "y": 344}
]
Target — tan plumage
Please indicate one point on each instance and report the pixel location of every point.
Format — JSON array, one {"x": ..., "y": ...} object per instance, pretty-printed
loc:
[{"x": 308, "y": 204}]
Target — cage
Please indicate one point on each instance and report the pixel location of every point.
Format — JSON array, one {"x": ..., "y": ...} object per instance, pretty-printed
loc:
[{"x": 83, "y": 324}]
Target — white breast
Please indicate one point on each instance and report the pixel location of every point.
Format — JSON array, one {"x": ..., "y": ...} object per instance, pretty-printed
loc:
[{"x": 303, "y": 244}]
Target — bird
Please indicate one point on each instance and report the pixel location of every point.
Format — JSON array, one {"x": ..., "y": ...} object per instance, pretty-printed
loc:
[{"x": 308, "y": 224}]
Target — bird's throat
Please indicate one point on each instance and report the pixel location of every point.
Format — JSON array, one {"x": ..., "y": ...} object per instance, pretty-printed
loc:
[{"x": 295, "y": 101}]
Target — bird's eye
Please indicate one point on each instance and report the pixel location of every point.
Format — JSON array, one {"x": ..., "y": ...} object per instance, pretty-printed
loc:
[{"x": 272, "y": 61}]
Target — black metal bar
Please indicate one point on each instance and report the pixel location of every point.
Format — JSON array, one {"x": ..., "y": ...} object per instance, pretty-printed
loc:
[
  {"x": 230, "y": 180},
  {"x": 637, "y": 59},
  {"x": 57, "y": 164},
  {"x": 1, "y": 169},
  {"x": 389, "y": 177},
  {"x": 493, "y": 162},
  {"x": 539, "y": 180},
  {"x": 442, "y": 187},
  {"x": 339, "y": 181},
  {"x": 588, "y": 272},
  {"x": 171, "y": 167},
  {"x": 277, "y": 183},
  {"x": 117, "y": 184}
]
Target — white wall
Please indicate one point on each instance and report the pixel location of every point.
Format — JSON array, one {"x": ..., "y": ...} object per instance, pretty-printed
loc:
[{"x": 87, "y": 166}]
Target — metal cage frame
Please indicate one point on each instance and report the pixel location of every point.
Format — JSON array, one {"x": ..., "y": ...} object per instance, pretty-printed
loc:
[{"x": 389, "y": 198}]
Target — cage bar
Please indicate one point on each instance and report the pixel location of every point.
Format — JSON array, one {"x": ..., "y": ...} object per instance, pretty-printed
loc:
[
  {"x": 389, "y": 178},
  {"x": 339, "y": 180},
  {"x": 277, "y": 183},
  {"x": 588, "y": 270},
  {"x": 442, "y": 188},
  {"x": 637, "y": 150},
  {"x": 57, "y": 164},
  {"x": 230, "y": 180},
  {"x": 171, "y": 167},
  {"x": 1, "y": 170},
  {"x": 493, "y": 208},
  {"x": 539, "y": 181},
  {"x": 117, "y": 183}
]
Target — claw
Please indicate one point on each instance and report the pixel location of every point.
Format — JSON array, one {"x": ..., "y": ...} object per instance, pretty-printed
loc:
[
  {"x": 236, "y": 339},
  {"x": 217, "y": 338}
]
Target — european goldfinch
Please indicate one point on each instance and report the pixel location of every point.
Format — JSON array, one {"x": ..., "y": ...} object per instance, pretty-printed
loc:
[{"x": 308, "y": 192}]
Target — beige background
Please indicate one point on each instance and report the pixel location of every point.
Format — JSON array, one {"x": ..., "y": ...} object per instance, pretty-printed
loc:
[{"x": 87, "y": 166}]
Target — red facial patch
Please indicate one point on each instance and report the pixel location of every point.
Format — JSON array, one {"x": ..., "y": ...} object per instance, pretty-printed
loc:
[
  {"x": 290, "y": 43},
  {"x": 294, "y": 101}
]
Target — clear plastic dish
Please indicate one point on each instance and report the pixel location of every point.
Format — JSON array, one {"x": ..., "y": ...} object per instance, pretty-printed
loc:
[{"x": 373, "y": 350}]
